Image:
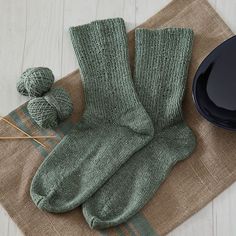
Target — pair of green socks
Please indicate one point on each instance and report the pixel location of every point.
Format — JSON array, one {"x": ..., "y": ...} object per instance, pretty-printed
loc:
[{"x": 132, "y": 131}]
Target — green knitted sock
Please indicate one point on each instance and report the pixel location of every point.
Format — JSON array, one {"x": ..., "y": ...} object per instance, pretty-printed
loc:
[
  {"x": 114, "y": 126},
  {"x": 162, "y": 58}
]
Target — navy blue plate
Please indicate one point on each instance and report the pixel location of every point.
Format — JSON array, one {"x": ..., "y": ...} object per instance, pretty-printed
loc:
[{"x": 214, "y": 86}]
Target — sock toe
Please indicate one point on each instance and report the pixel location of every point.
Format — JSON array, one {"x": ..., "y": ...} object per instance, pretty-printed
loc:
[
  {"x": 95, "y": 223},
  {"x": 38, "y": 199},
  {"x": 41, "y": 195},
  {"x": 95, "y": 219},
  {"x": 48, "y": 198}
]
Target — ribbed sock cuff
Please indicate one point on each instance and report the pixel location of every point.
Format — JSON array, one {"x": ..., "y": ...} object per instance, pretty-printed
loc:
[
  {"x": 170, "y": 45},
  {"x": 91, "y": 41},
  {"x": 161, "y": 66}
]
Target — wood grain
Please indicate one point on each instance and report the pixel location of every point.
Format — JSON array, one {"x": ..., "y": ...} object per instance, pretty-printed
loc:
[{"x": 35, "y": 33}]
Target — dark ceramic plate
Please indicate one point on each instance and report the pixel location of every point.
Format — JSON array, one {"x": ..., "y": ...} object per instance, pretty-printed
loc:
[{"x": 214, "y": 86}]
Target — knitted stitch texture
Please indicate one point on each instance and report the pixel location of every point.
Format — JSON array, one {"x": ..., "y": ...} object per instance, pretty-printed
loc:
[
  {"x": 48, "y": 111},
  {"x": 34, "y": 82},
  {"x": 114, "y": 126},
  {"x": 162, "y": 58}
]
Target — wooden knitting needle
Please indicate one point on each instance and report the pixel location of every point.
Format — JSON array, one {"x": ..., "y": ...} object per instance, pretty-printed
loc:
[
  {"x": 22, "y": 131},
  {"x": 26, "y": 137}
]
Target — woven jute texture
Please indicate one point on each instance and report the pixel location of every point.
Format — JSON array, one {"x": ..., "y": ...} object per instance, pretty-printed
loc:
[{"x": 190, "y": 186}]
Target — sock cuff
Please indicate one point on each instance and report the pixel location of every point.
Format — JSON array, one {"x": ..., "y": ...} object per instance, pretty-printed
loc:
[
  {"x": 111, "y": 24},
  {"x": 91, "y": 40},
  {"x": 176, "y": 42},
  {"x": 161, "y": 66}
]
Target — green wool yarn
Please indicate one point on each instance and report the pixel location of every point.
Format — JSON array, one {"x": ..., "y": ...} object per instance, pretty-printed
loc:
[
  {"x": 49, "y": 110},
  {"x": 34, "y": 82}
]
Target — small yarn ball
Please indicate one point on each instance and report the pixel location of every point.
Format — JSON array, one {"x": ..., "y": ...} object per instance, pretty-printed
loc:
[
  {"x": 48, "y": 111},
  {"x": 34, "y": 82}
]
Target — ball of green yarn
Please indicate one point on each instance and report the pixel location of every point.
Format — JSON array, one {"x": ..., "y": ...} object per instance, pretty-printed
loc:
[
  {"x": 49, "y": 110},
  {"x": 34, "y": 82}
]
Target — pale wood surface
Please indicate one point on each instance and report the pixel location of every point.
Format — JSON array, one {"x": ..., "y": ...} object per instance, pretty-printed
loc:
[{"x": 35, "y": 33}]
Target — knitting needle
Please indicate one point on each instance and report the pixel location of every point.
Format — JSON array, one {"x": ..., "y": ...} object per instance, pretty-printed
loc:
[
  {"x": 22, "y": 131},
  {"x": 20, "y": 137}
]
